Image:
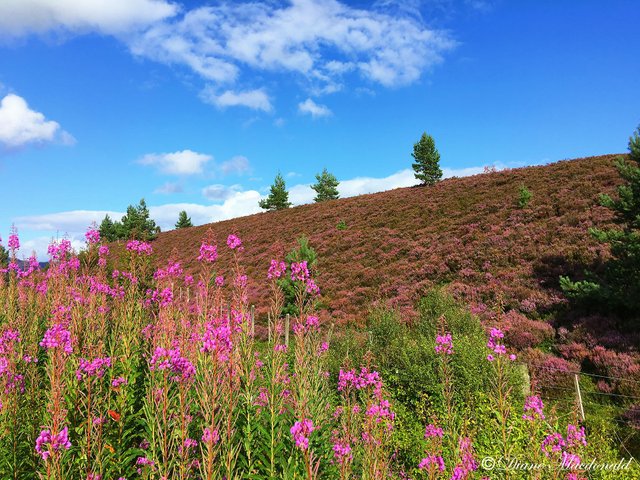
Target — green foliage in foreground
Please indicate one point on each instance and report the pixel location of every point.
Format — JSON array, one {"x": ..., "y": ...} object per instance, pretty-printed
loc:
[{"x": 405, "y": 357}]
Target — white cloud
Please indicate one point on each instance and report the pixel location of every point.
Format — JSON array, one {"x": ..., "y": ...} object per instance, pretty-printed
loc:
[
  {"x": 254, "y": 99},
  {"x": 74, "y": 221},
  {"x": 169, "y": 188},
  {"x": 240, "y": 204},
  {"x": 19, "y": 125},
  {"x": 310, "y": 107},
  {"x": 321, "y": 40},
  {"x": 21, "y": 17},
  {"x": 220, "y": 192},
  {"x": 185, "y": 162},
  {"x": 238, "y": 165}
]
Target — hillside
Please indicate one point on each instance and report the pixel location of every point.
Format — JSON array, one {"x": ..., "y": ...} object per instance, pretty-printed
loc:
[{"x": 465, "y": 232}]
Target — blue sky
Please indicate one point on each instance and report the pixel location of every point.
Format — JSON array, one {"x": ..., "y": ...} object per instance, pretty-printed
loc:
[{"x": 197, "y": 105}]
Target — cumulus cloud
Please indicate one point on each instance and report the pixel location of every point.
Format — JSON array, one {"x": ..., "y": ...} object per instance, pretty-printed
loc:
[
  {"x": 254, "y": 99},
  {"x": 73, "y": 221},
  {"x": 220, "y": 192},
  {"x": 230, "y": 45},
  {"x": 309, "y": 107},
  {"x": 238, "y": 165},
  {"x": 20, "y": 126},
  {"x": 321, "y": 40},
  {"x": 22, "y": 17},
  {"x": 184, "y": 162}
]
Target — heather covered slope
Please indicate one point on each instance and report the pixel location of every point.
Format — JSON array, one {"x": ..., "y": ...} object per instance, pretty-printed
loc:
[{"x": 467, "y": 233}]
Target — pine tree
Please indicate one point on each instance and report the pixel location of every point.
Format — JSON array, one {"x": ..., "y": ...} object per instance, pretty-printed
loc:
[
  {"x": 108, "y": 229},
  {"x": 326, "y": 187},
  {"x": 427, "y": 166},
  {"x": 617, "y": 287},
  {"x": 137, "y": 224},
  {"x": 183, "y": 220},
  {"x": 278, "y": 198}
]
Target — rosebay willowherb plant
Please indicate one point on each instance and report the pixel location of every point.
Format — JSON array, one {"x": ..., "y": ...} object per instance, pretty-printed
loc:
[
  {"x": 114, "y": 369},
  {"x": 111, "y": 369}
]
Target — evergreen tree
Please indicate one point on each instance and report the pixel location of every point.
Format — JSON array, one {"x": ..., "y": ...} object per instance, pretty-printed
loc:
[
  {"x": 278, "y": 198},
  {"x": 326, "y": 186},
  {"x": 183, "y": 220},
  {"x": 427, "y": 166},
  {"x": 137, "y": 224},
  {"x": 109, "y": 230},
  {"x": 618, "y": 286}
]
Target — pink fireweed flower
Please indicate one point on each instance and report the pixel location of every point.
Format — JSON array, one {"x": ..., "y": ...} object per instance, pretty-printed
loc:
[
  {"x": 171, "y": 360},
  {"x": 444, "y": 344},
  {"x": 552, "y": 444},
  {"x": 533, "y": 408},
  {"x": 494, "y": 335},
  {"x": 467, "y": 462},
  {"x": 433, "y": 431},
  {"x": 342, "y": 451},
  {"x": 234, "y": 242},
  {"x": 208, "y": 253},
  {"x": 512, "y": 357},
  {"x": 324, "y": 346},
  {"x": 241, "y": 281},
  {"x": 490, "y": 357},
  {"x": 46, "y": 443},
  {"x": 217, "y": 340},
  {"x": 380, "y": 411},
  {"x": 94, "y": 368},
  {"x": 219, "y": 281},
  {"x": 570, "y": 460},
  {"x": 117, "y": 382},
  {"x": 311, "y": 288},
  {"x": 276, "y": 269},
  {"x": 103, "y": 250},
  {"x": 139, "y": 247},
  {"x": 263, "y": 398},
  {"x": 299, "y": 271},
  {"x": 301, "y": 431},
  {"x": 92, "y": 236},
  {"x": 364, "y": 379},
  {"x": 312, "y": 322},
  {"x": 174, "y": 269},
  {"x": 575, "y": 436},
  {"x": 57, "y": 337},
  {"x": 14, "y": 241},
  {"x": 210, "y": 437},
  {"x": 432, "y": 462}
]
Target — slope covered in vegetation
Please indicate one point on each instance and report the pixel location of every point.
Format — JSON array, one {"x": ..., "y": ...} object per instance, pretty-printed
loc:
[
  {"x": 471, "y": 235},
  {"x": 467, "y": 232}
]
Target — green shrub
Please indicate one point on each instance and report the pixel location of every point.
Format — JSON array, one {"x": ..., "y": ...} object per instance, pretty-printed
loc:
[{"x": 524, "y": 196}]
